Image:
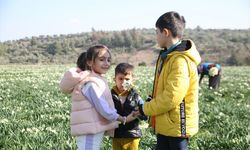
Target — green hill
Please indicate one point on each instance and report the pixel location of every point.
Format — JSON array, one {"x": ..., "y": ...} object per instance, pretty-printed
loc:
[{"x": 137, "y": 46}]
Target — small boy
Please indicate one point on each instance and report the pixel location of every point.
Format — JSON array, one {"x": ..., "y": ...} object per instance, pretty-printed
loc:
[{"x": 126, "y": 100}]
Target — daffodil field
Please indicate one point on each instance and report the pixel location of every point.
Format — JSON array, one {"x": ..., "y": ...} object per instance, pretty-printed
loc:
[{"x": 34, "y": 114}]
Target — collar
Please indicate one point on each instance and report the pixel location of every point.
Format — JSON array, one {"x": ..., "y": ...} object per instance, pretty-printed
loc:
[
  {"x": 166, "y": 51},
  {"x": 125, "y": 93}
]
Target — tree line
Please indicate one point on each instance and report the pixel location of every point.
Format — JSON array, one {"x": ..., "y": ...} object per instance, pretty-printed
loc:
[{"x": 228, "y": 47}]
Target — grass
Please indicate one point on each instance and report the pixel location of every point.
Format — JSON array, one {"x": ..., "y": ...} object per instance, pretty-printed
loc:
[{"x": 34, "y": 114}]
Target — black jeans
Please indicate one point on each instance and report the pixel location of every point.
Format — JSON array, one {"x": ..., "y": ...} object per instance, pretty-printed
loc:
[
  {"x": 214, "y": 82},
  {"x": 171, "y": 143}
]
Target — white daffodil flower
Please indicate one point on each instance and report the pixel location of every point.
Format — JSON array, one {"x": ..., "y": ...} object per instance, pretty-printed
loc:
[
  {"x": 213, "y": 71},
  {"x": 127, "y": 84}
]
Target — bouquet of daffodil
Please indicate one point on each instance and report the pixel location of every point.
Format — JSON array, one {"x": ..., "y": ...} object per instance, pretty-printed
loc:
[
  {"x": 127, "y": 85},
  {"x": 213, "y": 71}
]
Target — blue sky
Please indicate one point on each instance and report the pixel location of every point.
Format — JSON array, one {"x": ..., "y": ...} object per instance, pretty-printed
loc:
[{"x": 26, "y": 18}]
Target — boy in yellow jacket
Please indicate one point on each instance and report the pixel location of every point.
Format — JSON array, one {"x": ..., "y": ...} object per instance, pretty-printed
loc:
[{"x": 173, "y": 109}]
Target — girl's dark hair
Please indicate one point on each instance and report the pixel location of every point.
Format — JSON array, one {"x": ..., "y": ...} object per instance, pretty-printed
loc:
[
  {"x": 82, "y": 61},
  {"x": 122, "y": 68},
  {"x": 90, "y": 55},
  {"x": 173, "y": 22},
  {"x": 93, "y": 52}
]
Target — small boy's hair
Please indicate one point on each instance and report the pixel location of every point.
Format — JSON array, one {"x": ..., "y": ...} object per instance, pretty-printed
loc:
[
  {"x": 82, "y": 61},
  {"x": 173, "y": 22},
  {"x": 122, "y": 68}
]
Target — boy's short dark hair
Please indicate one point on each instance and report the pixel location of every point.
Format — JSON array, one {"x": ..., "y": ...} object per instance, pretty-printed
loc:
[
  {"x": 173, "y": 22},
  {"x": 122, "y": 68}
]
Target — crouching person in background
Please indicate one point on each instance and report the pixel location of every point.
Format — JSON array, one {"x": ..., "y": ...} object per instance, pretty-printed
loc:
[{"x": 213, "y": 71}]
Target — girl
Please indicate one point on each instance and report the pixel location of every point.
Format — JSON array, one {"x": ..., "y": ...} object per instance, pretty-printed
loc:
[{"x": 92, "y": 112}]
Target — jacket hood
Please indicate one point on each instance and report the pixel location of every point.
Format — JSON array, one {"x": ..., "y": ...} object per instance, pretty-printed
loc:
[
  {"x": 187, "y": 48},
  {"x": 70, "y": 78}
]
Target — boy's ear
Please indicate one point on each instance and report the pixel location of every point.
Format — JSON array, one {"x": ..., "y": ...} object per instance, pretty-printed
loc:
[{"x": 166, "y": 32}]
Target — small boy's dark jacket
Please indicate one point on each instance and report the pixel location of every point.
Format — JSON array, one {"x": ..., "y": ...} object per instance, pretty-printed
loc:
[{"x": 130, "y": 129}]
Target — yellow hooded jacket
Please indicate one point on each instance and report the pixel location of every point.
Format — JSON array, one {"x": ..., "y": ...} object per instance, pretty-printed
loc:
[{"x": 175, "y": 98}]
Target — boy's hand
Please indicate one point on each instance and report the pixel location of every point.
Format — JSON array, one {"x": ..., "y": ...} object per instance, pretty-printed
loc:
[
  {"x": 132, "y": 116},
  {"x": 149, "y": 98},
  {"x": 122, "y": 119},
  {"x": 136, "y": 113}
]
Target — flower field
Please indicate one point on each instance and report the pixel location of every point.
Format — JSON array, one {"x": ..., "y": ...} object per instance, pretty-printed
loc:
[{"x": 34, "y": 114}]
